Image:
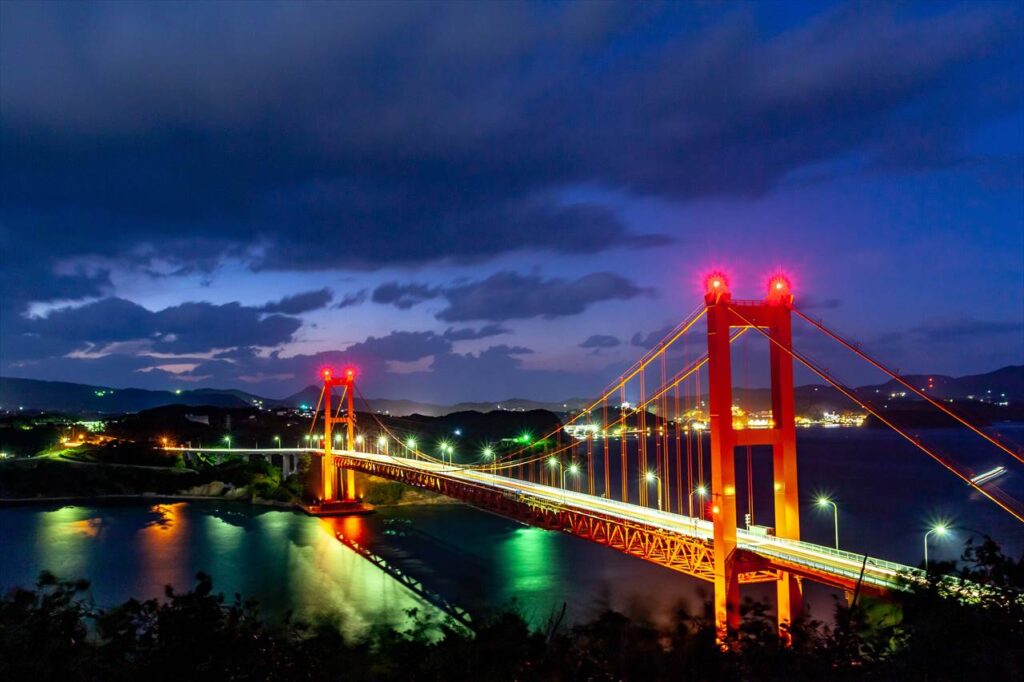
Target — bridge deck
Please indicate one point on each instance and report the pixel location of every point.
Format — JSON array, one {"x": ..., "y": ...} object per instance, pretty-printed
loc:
[
  {"x": 678, "y": 542},
  {"x": 758, "y": 552}
]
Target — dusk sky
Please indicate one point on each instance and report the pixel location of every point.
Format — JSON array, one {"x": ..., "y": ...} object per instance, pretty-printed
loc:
[{"x": 477, "y": 201}]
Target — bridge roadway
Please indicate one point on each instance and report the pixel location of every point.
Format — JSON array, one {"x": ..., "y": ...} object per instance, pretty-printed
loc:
[
  {"x": 682, "y": 543},
  {"x": 819, "y": 563}
]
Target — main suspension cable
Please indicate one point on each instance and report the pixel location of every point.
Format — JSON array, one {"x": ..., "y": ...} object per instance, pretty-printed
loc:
[
  {"x": 903, "y": 382},
  {"x": 839, "y": 386}
]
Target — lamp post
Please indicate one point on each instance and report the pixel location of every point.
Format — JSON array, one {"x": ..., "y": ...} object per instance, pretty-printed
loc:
[
  {"x": 446, "y": 448},
  {"x": 825, "y": 502},
  {"x": 650, "y": 476},
  {"x": 572, "y": 469},
  {"x": 227, "y": 439},
  {"x": 410, "y": 445},
  {"x": 940, "y": 530},
  {"x": 277, "y": 439},
  {"x": 702, "y": 491},
  {"x": 488, "y": 453},
  {"x": 382, "y": 443}
]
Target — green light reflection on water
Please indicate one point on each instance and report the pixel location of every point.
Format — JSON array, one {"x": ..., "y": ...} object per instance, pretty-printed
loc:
[
  {"x": 64, "y": 537},
  {"x": 531, "y": 566}
]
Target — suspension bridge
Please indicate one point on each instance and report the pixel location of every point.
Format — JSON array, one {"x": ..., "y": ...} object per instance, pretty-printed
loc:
[{"x": 594, "y": 474}]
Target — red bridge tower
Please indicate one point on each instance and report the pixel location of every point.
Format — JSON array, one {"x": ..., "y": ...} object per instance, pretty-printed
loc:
[
  {"x": 330, "y": 475},
  {"x": 773, "y": 315}
]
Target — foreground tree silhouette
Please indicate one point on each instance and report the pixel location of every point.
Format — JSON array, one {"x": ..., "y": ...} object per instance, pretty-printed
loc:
[{"x": 965, "y": 626}]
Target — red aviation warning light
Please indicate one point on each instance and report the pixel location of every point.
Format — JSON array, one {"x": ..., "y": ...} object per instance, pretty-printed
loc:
[
  {"x": 350, "y": 373},
  {"x": 327, "y": 373},
  {"x": 716, "y": 287},
  {"x": 779, "y": 290}
]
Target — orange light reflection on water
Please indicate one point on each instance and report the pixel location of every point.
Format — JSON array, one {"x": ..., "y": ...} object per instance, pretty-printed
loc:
[{"x": 163, "y": 547}]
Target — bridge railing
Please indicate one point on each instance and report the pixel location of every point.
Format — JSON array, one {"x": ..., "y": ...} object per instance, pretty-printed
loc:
[
  {"x": 780, "y": 548},
  {"x": 762, "y": 540}
]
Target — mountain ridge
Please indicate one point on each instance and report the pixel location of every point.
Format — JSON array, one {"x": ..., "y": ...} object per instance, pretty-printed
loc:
[{"x": 1003, "y": 384}]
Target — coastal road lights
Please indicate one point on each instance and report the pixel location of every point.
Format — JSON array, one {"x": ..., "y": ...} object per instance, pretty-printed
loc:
[
  {"x": 939, "y": 529},
  {"x": 823, "y": 502},
  {"x": 651, "y": 477}
]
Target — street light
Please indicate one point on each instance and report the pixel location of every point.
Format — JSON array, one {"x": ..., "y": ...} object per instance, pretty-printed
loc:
[
  {"x": 227, "y": 439},
  {"x": 488, "y": 453},
  {"x": 651, "y": 477},
  {"x": 277, "y": 439},
  {"x": 574, "y": 469},
  {"x": 940, "y": 530},
  {"x": 702, "y": 491},
  {"x": 382, "y": 442},
  {"x": 410, "y": 445},
  {"x": 824, "y": 502},
  {"x": 446, "y": 447}
]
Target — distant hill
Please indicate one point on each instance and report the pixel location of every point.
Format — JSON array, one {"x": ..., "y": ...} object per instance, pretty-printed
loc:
[
  {"x": 61, "y": 396},
  {"x": 1005, "y": 384}
]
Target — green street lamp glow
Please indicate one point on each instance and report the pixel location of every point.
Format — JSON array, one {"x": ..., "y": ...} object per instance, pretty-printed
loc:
[
  {"x": 227, "y": 439},
  {"x": 446, "y": 448},
  {"x": 939, "y": 529},
  {"x": 277, "y": 439},
  {"x": 825, "y": 502},
  {"x": 488, "y": 453},
  {"x": 651, "y": 477}
]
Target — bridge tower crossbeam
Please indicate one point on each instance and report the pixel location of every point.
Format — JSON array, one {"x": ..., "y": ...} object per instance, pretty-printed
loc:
[{"x": 774, "y": 315}]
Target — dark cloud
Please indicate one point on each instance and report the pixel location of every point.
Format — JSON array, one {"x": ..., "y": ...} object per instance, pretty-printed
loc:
[
  {"x": 509, "y": 296},
  {"x": 470, "y": 333},
  {"x": 258, "y": 131},
  {"x": 187, "y": 328},
  {"x": 651, "y": 338},
  {"x": 964, "y": 329},
  {"x": 352, "y": 299},
  {"x": 300, "y": 303},
  {"x": 599, "y": 341},
  {"x": 403, "y": 296},
  {"x": 400, "y": 346}
]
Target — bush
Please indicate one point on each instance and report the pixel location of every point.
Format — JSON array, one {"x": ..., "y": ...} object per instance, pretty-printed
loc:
[{"x": 54, "y": 632}]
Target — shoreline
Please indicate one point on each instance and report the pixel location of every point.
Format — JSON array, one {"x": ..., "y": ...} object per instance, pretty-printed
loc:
[
  {"x": 138, "y": 497},
  {"x": 146, "y": 497}
]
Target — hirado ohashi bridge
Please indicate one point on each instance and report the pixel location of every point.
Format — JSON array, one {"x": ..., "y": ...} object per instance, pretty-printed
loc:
[{"x": 594, "y": 478}]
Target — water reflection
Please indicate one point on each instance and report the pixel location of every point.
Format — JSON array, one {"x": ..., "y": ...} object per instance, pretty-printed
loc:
[
  {"x": 64, "y": 537},
  {"x": 163, "y": 547},
  {"x": 531, "y": 566}
]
